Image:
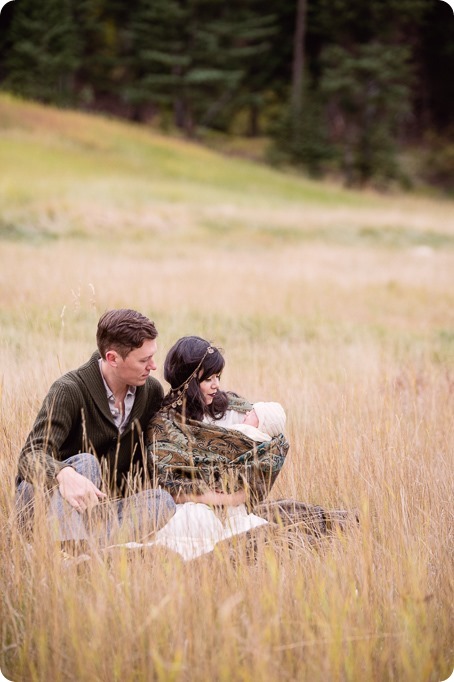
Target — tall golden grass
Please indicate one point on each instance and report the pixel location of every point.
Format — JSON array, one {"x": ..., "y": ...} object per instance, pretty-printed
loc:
[{"x": 344, "y": 313}]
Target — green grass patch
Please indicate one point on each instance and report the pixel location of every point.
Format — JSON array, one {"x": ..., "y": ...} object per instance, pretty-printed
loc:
[
  {"x": 15, "y": 231},
  {"x": 66, "y": 146},
  {"x": 343, "y": 235},
  {"x": 443, "y": 347}
]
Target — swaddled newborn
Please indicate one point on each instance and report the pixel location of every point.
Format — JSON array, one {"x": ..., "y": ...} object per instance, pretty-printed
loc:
[{"x": 264, "y": 422}]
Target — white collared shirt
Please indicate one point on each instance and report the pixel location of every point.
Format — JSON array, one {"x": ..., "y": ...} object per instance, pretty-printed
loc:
[{"x": 120, "y": 419}]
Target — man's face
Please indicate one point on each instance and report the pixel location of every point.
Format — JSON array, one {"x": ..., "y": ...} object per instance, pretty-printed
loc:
[{"x": 135, "y": 368}]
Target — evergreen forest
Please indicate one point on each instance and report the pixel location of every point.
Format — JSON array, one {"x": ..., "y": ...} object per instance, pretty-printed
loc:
[{"x": 345, "y": 87}]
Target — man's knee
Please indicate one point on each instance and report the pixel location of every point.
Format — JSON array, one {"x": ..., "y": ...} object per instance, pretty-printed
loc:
[
  {"x": 24, "y": 504},
  {"x": 141, "y": 514},
  {"x": 165, "y": 505},
  {"x": 159, "y": 504},
  {"x": 24, "y": 494},
  {"x": 87, "y": 465}
]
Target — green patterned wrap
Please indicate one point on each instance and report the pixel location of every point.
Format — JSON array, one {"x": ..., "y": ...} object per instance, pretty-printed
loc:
[{"x": 189, "y": 456}]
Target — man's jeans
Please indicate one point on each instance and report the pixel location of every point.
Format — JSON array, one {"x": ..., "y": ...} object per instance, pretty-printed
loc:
[{"x": 126, "y": 519}]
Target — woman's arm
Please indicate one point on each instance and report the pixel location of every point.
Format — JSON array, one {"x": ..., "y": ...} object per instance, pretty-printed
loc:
[{"x": 213, "y": 499}]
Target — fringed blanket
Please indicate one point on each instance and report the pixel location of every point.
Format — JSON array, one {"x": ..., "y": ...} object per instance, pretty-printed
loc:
[{"x": 189, "y": 456}]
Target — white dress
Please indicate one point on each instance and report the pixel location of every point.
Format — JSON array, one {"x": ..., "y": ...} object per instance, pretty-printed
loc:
[{"x": 195, "y": 528}]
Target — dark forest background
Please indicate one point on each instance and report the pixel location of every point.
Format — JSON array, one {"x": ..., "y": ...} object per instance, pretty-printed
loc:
[{"x": 337, "y": 86}]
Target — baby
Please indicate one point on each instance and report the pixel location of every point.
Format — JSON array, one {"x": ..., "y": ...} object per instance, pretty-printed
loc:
[{"x": 263, "y": 422}]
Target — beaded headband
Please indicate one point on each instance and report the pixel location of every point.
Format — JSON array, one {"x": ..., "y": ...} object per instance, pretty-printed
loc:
[{"x": 182, "y": 388}]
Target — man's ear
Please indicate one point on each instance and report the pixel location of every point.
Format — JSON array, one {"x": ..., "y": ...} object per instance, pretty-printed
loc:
[{"x": 112, "y": 358}]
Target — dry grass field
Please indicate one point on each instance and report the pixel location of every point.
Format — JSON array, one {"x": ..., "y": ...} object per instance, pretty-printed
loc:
[{"x": 338, "y": 304}]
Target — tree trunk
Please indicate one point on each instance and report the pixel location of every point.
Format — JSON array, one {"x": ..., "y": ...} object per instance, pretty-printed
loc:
[
  {"x": 298, "y": 64},
  {"x": 179, "y": 112},
  {"x": 253, "y": 127},
  {"x": 183, "y": 115}
]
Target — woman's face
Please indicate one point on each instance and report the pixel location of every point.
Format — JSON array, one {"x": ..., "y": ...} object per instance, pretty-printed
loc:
[{"x": 210, "y": 387}]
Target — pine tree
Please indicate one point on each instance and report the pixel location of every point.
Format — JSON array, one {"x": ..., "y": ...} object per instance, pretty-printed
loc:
[
  {"x": 157, "y": 59},
  {"x": 367, "y": 92},
  {"x": 96, "y": 57},
  {"x": 254, "y": 50},
  {"x": 44, "y": 50},
  {"x": 193, "y": 57}
]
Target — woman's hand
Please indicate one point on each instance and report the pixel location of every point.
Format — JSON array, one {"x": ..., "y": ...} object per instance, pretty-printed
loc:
[{"x": 214, "y": 499}]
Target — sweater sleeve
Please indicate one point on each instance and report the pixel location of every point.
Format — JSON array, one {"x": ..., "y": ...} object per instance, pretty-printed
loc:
[{"x": 40, "y": 458}]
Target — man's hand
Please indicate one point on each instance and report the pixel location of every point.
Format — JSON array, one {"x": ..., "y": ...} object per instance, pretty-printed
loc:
[{"x": 78, "y": 490}]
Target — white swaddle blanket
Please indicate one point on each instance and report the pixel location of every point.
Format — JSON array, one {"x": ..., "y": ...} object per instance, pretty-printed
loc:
[{"x": 195, "y": 529}]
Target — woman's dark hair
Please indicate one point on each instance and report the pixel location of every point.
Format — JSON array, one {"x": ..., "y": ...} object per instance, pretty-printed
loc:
[{"x": 188, "y": 355}]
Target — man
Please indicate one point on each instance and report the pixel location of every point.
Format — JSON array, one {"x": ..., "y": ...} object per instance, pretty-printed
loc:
[{"x": 90, "y": 428}]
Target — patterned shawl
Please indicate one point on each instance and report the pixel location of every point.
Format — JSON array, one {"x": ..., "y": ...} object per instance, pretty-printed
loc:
[{"x": 185, "y": 455}]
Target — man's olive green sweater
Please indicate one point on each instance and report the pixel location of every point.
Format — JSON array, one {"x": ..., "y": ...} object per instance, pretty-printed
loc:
[{"x": 75, "y": 417}]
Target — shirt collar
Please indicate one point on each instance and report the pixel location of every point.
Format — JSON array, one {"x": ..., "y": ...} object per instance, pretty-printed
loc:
[{"x": 131, "y": 389}]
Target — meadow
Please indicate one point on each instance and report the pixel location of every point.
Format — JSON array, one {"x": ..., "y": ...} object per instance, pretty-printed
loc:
[{"x": 338, "y": 304}]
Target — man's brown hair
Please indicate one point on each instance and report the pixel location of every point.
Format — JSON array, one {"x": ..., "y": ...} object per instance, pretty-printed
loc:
[{"x": 123, "y": 330}]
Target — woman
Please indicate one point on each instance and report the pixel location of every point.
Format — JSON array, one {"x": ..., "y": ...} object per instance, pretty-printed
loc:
[{"x": 203, "y": 464}]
